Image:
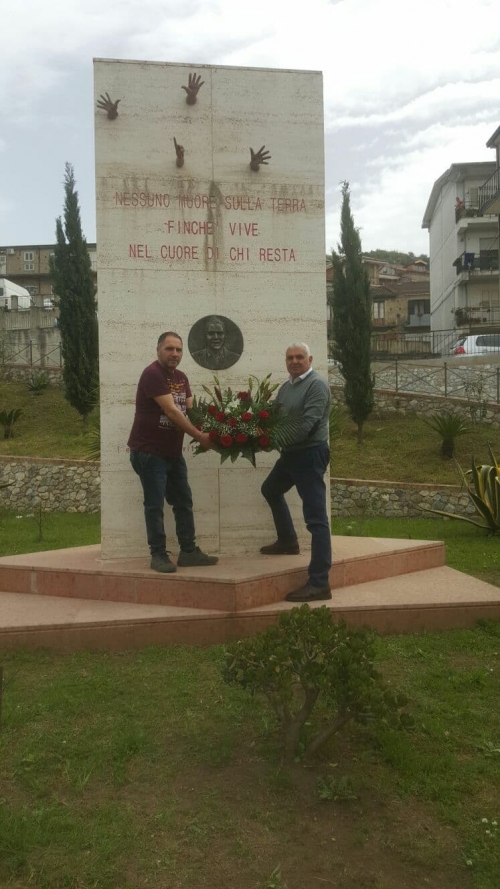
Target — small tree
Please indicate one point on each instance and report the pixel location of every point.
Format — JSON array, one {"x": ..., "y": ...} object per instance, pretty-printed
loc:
[
  {"x": 74, "y": 288},
  {"x": 352, "y": 318},
  {"x": 307, "y": 660}
]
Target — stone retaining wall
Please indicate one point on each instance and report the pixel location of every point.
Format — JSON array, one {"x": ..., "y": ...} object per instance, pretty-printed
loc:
[
  {"x": 58, "y": 485},
  {"x": 480, "y": 381},
  {"x": 74, "y": 486},
  {"x": 365, "y": 498},
  {"x": 387, "y": 402},
  {"x": 21, "y": 373}
]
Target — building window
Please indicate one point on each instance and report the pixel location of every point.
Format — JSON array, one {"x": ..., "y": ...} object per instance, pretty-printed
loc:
[
  {"x": 29, "y": 266},
  {"x": 32, "y": 290},
  {"x": 379, "y": 310},
  {"x": 29, "y": 256},
  {"x": 419, "y": 307}
]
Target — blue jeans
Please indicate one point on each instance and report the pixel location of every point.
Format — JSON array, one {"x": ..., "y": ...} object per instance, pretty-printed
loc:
[
  {"x": 303, "y": 469},
  {"x": 165, "y": 478}
]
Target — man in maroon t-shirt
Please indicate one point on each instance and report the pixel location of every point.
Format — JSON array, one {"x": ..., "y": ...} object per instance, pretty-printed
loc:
[{"x": 155, "y": 442}]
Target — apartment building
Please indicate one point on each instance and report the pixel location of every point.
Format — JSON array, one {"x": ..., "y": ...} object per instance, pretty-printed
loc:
[
  {"x": 462, "y": 216},
  {"x": 28, "y": 265}
]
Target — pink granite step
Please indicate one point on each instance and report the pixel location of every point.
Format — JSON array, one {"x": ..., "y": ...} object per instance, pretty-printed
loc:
[
  {"x": 433, "y": 599},
  {"x": 235, "y": 584}
]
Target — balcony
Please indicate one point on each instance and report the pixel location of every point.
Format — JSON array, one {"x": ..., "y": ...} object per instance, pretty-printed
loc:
[
  {"x": 489, "y": 194},
  {"x": 469, "y": 216},
  {"x": 418, "y": 320},
  {"x": 483, "y": 263},
  {"x": 473, "y": 316}
]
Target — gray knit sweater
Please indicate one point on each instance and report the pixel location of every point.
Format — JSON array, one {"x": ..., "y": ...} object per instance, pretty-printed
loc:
[{"x": 309, "y": 400}]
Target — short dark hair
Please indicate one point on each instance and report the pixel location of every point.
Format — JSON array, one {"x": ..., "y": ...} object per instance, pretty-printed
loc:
[
  {"x": 215, "y": 319},
  {"x": 163, "y": 337}
]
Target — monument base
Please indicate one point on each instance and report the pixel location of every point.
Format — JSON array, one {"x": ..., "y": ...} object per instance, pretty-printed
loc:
[{"x": 69, "y": 600}]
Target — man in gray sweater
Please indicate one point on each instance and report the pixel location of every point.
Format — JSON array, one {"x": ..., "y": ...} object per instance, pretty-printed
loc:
[{"x": 302, "y": 465}]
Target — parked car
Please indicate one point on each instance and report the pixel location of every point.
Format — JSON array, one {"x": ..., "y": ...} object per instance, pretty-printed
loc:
[{"x": 477, "y": 344}]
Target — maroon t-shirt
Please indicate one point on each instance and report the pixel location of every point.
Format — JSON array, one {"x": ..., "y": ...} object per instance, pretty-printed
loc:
[{"x": 152, "y": 431}]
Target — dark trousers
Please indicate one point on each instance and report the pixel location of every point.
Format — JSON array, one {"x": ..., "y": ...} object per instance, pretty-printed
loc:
[
  {"x": 303, "y": 469},
  {"x": 165, "y": 479}
]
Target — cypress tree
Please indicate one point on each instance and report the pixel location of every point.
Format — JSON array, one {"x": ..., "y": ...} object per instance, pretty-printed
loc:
[
  {"x": 352, "y": 317},
  {"x": 75, "y": 291}
]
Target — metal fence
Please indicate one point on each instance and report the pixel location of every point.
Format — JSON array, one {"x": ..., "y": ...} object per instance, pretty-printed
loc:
[
  {"x": 29, "y": 355},
  {"x": 478, "y": 383}
]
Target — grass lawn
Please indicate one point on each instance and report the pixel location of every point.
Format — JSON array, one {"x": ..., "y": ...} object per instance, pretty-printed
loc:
[
  {"x": 142, "y": 769},
  {"x": 23, "y": 533},
  {"x": 48, "y": 427},
  {"x": 468, "y": 548},
  {"x": 405, "y": 449}
]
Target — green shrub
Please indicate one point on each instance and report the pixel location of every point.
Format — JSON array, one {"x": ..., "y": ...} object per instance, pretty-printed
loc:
[
  {"x": 483, "y": 488},
  {"x": 8, "y": 419},
  {"x": 37, "y": 382},
  {"x": 307, "y": 659},
  {"x": 448, "y": 426}
]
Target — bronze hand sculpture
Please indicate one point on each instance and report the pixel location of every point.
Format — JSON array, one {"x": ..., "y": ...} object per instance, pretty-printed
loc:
[
  {"x": 111, "y": 108},
  {"x": 259, "y": 157},
  {"x": 195, "y": 83}
]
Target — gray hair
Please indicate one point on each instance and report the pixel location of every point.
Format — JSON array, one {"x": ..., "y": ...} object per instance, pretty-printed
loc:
[{"x": 303, "y": 346}]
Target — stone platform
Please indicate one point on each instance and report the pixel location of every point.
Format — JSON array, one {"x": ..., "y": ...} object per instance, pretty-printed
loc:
[{"x": 71, "y": 599}]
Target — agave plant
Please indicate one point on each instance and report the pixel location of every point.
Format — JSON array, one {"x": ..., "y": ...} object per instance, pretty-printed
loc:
[
  {"x": 483, "y": 488},
  {"x": 37, "y": 382},
  {"x": 7, "y": 420},
  {"x": 448, "y": 426}
]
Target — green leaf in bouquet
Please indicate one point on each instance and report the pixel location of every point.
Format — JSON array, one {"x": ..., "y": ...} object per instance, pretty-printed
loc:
[
  {"x": 224, "y": 455},
  {"x": 234, "y": 456},
  {"x": 249, "y": 454},
  {"x": 208, "y": 391},
  {"x": 284, "y": 430}
]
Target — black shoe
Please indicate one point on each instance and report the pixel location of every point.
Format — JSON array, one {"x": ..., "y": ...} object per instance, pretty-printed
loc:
[
  {"x": 281, "y": 549},
  {"x": 161, "y": 562},
  {"x": 308, "y": 593},
  {"x": 195, "y": 559}
]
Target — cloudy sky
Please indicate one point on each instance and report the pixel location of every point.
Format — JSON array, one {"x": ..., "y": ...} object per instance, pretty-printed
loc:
[{"x": 406, "y": 94}]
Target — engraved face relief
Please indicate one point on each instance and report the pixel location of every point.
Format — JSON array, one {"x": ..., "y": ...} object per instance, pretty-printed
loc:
[{"x": 215, "y": 342}]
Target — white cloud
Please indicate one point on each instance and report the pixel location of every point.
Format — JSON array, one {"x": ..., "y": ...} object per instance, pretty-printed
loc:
[{"x": 405, "y": 96}]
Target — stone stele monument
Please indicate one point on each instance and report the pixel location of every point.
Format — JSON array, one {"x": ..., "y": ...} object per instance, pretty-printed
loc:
[{"x": 210, "y": 222}]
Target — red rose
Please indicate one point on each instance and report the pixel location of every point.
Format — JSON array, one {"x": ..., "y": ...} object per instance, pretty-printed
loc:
[
  {"x": 213, "y": 435},
  {"x": 264, "y": 441},
  {"x": 241, "y": 438},
  {"x": 212, "y": 410},
  {"x": 264, "y": 415},
  {"x": 199, "y": 428},
  {"x": 244, "y": 396},
  {"x": 246, "y": 416},
  {"x": 220, "y": 416},
  {"x": 226, "y": 441},
  {"x": 232, "y": 422}
]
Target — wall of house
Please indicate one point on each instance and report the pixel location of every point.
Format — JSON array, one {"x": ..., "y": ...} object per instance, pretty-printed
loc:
[{"x": 443, "y": 250}]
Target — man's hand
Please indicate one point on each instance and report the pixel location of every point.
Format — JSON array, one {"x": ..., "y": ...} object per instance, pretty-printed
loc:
[
  {"x": 111, "y": 108},
  {"x": 195, "y": 84},
  {"x": 259, "y": 157},
  {"x": 204, "y": 440}
]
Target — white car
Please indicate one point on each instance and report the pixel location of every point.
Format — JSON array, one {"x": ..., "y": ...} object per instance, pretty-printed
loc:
[{"x": 477, "y": 344}]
